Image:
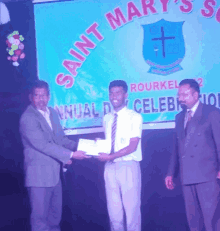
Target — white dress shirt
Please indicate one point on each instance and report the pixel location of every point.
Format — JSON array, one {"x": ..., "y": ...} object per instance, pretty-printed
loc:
[
  {"x": 46, "y": 115},
  {"x": 129, "y": 125},
  {"x": 194, "y": 108}
]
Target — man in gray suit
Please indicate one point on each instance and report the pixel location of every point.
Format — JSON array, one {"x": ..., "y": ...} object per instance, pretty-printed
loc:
[
  {"x": 46, "y": 150},
  {"x": 197, "y": 158}
]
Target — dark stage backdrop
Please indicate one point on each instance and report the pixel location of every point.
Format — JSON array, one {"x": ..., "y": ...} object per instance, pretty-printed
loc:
[{"x": 16, "y": 79}]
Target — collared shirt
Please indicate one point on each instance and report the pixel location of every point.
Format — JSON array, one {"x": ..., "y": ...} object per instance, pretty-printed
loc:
[
  {"x": 129, "y": 125},
  {"x": 193, "y": 110},
  {"x": 46, "y": 115}
]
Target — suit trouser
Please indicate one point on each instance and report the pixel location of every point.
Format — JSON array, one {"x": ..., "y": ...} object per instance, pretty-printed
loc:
[
  {"x": 123, "y": 192},
  {"x": 202, "y": 205},
  {"x": 46, "y": 207}
]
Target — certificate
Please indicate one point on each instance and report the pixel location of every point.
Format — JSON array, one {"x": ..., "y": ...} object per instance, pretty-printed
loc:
[
  {"x": 92, "y": 147},
  {"x": 103, "y": 146}
]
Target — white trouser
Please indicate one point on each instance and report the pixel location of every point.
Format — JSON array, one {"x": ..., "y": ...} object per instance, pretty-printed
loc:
[{"x": 123, "y": 192}]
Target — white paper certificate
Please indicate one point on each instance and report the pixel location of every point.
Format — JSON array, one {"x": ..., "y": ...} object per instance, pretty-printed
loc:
[
  {"x": 91, "y": 147},
  {"x": 103, "y": 146}
]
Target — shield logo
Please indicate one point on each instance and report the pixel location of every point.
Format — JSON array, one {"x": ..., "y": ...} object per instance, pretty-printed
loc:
[{"x": 163, "y": 46}]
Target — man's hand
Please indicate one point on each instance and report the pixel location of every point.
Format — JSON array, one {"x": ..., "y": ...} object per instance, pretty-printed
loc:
[
  {"x": 169, "y": 182},
  {"x": 65, "y": 166},
  {"x": 80, "y": 155},
  {"x": 218, "y": 175},
  {"x": 69, "y": 162},
  {"x": 104, "y": 157}
]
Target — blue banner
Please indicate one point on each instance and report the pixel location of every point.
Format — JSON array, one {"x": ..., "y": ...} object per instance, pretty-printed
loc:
[{"x": 83, "y": 45}]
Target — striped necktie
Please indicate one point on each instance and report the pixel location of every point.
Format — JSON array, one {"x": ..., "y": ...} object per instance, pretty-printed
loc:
[{"x": 114, "y": 127}]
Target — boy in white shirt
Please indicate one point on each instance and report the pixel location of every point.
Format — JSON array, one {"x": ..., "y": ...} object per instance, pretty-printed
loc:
[{"x": 123, "y": 128}]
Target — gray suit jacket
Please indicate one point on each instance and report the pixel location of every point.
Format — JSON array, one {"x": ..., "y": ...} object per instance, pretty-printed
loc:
[
  {"x": 44, "y": 149},
  {"x": 197, "y": 156}
]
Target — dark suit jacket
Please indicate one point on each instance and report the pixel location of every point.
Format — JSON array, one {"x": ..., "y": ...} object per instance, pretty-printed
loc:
[
  {"x": 197, "y": 155},
  {"x": 44, "y": 149}
]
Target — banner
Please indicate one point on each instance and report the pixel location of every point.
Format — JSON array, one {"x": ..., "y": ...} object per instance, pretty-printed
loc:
[{"x": 151, "y": 44}]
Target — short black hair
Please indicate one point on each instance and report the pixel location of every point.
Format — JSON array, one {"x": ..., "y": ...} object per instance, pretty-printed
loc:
[
  {"x": 192, "y": 83},
  {"x": 39, "y": 84},
  {"x": 119, "y": 83}
]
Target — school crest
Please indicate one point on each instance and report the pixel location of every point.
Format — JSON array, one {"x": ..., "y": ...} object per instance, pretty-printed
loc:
[{"x": 163, "y": 46}]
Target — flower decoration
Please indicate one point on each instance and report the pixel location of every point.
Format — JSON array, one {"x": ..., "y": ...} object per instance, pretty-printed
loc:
[{"x": 15, "y": 48}]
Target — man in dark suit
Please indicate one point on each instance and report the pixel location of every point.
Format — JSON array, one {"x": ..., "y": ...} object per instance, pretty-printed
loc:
[
  {"x": 46, "y": 150},
  {"x": 197, "y": 157}
]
